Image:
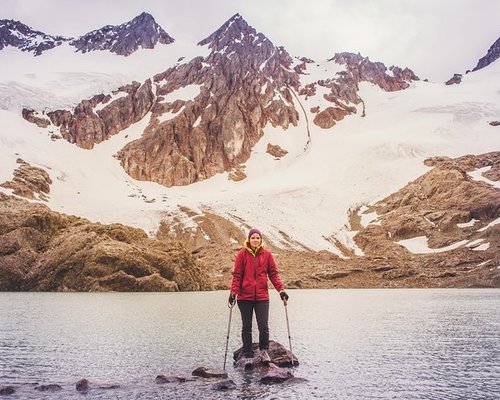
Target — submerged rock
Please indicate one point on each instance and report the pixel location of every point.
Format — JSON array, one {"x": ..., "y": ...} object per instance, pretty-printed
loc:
[
  {"x": 277, "y": 375},
  {"x": 169, "y": 379},
  {"x": 206, "y": 372},
  {"x": 278, "y": 354},
  {"x": 224, "y": 385},
  {"x": 110, "y": 387},
  {"x": 6, "y": 390},
  {"x": 53, "y": 387}
]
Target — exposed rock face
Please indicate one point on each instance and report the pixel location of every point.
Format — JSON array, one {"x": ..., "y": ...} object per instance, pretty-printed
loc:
[
  {"x": 44, "y": 250},
  {"x": 216, "y": 130},
  {"x": 29, "y": 182},
  {"x": 276, "y": 151},
  {"x": 329, "y": 116},
  {"x": 344, "y": 86},
  {"x": 492, "y": 55},
  {"x": 362, "y": 69},
  {"x": 31, "y": 116},
  {"x": 94, "y": 120},
  {"x": 16, "y": 34},
  {"x": 141, "y": 32},
  {"x": 454, "y": 80}
]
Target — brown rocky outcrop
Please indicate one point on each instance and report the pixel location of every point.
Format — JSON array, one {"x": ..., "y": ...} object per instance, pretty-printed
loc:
[
  {"x": 276, "y": 151},
  {"x": 31, "y": 116},
  {"x": 43, "y": 250},
  {"x": 29, "y": 182},
  {"x": 329, "y": 116},
  {"x": 85, "y": 126}
]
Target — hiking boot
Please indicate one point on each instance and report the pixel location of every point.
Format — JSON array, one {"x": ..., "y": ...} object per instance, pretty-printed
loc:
[{"x": 264, "y": 356}]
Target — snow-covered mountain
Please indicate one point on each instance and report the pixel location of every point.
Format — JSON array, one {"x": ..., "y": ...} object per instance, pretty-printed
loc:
[
  {"x": 141, "y": 32},
  {"x": 125, "y": 39},
  {"x": 16, "y": 34},
  {"x": 236, "y": 127}
]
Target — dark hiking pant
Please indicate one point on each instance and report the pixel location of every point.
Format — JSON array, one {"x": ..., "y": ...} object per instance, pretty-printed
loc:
[{"x": 262, "y": 315}]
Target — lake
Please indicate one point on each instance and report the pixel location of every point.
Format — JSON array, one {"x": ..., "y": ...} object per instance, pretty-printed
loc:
[{"x": 351, "y": 344}]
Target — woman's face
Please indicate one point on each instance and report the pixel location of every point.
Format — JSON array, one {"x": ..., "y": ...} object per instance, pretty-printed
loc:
[{"x": 255, "y": 240}]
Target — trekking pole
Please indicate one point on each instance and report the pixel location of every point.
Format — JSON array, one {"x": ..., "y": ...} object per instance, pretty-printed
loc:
[
  {"x": 228, "y": 330},
  {"x": 288, "y": 329}
]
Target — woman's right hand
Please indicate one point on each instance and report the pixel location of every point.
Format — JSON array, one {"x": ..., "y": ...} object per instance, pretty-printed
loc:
[{"x": 232, "y": 299}]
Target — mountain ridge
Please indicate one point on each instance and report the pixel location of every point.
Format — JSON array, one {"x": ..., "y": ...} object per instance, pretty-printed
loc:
[{"x": 124, "y": 39}]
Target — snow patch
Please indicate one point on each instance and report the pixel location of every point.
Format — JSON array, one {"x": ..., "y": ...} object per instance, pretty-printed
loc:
[
  {"x": 418, "y": 245},
  {"x": 477, "y": 175},
  {"x": 468, "y": 224}
]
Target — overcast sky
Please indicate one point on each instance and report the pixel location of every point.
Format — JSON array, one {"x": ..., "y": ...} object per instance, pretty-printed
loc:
[{"x": 435, "y": 38}]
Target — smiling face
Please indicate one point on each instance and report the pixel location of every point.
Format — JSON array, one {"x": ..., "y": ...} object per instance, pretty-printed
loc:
[{"x": 255, "y": 240}]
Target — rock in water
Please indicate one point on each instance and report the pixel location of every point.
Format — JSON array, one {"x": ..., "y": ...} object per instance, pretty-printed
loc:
[
  {"x": 169, "y": 379},
  {"x": 206, "y": 372},
  {"x": 277, "y": 375},
  {"x": 278, "y": 354},
  {"x": 53, "y": 387},
  {"x": 224, "y": 385},
  {"x": 83, "y": 385},
  {"x": 6, "y": 390}
]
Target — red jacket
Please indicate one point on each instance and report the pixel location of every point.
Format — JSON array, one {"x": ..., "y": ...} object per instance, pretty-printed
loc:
[{"x": 250, "y": 274}]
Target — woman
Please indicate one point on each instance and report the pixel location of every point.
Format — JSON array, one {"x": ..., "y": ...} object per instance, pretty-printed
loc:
[{"x": 252, "y": 266}]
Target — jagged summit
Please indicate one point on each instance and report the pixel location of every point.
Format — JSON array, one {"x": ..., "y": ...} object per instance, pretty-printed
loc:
[
  {"x": 235, "y": 31},
  {"x": 124, "y": 39},
  {"x": 16, "y": 34},
  {"x": 492, "y": 55}
]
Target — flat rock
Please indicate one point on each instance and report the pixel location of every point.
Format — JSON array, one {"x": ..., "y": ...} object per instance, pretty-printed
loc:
[
  {"x": 53, "y": 387},
  {"x": 206, "y": 372},
  {"x": 110, "y": 387},
  {"x": 224, "y": 385},
  {"x": 276, "y": 375},
  {"x": 169, "y": 379}
]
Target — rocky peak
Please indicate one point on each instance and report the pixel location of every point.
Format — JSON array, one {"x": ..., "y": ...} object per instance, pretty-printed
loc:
[
  {"x": 16, "y": 34},
  {"x": 235, "y": 31},
  {"x": 492, "y": 55},
  {"x": 124, "y": 39}
]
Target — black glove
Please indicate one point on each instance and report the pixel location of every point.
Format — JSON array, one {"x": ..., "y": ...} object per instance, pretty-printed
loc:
[
  {"x": 232, "y": 299},
  {"x": 283, "y": 295}
]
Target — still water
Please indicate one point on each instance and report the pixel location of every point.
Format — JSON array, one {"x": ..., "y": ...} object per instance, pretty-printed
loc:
[{"x": 351, "y": 344}]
